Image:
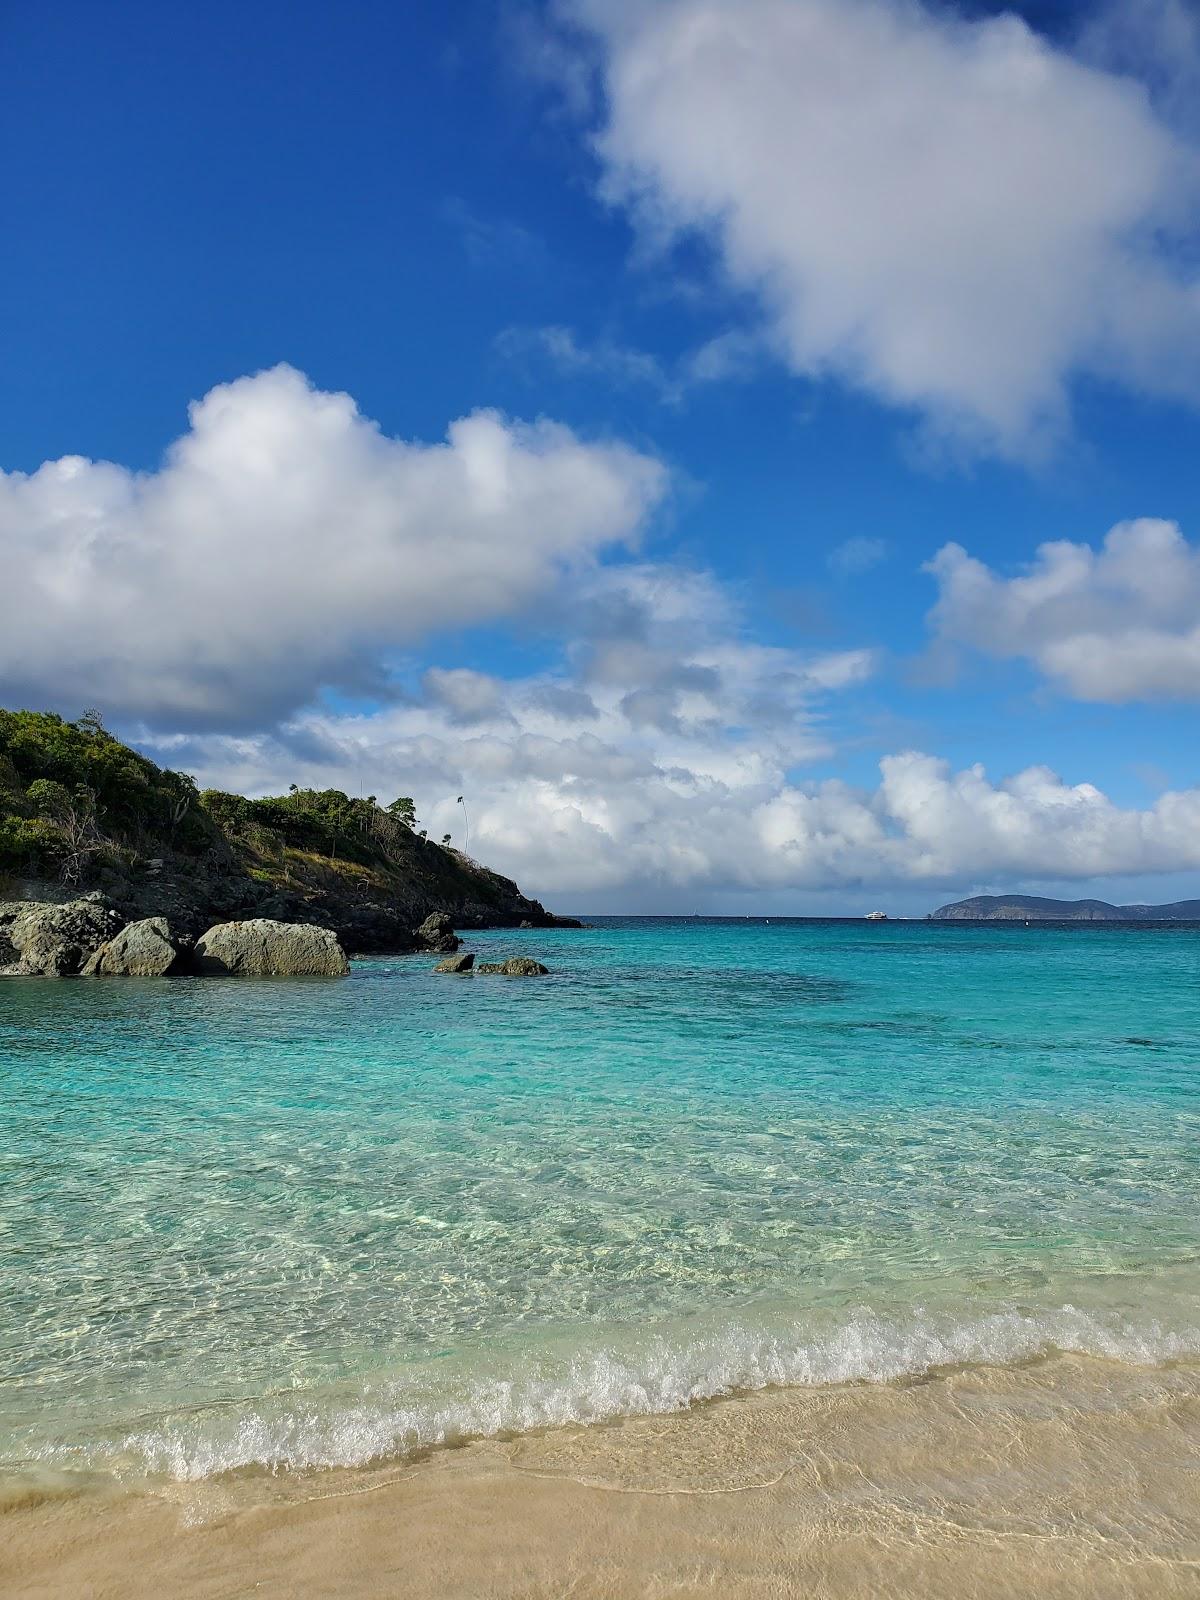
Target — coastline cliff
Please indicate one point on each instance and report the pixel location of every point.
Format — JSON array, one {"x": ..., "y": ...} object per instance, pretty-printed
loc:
[{"x": 80, "y": 811}]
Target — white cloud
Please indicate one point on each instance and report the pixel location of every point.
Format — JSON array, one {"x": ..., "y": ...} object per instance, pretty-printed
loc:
[
  {"x": 576, "y": 811},
  {"x": 953, "y": 215},
  {"x": 286, "y": 544},
  {"x": 661, "y": 758},
  {"x": 1156, "y": 41},
  {"x": 465, "y": 696},
  {"x": 1116, "y": 624}
]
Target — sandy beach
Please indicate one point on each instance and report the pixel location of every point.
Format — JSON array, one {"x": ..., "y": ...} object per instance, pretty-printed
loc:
[{"x": 1066, "y": 1478}]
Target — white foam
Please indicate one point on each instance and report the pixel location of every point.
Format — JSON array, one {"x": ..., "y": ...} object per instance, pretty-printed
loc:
[{"x": 654, "y": 1375}]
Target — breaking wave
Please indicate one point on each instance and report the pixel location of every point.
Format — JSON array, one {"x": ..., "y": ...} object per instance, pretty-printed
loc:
[{"x": 394, "y": 1418}]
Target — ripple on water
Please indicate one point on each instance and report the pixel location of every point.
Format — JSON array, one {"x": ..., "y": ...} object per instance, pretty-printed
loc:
[{"x": 226, "y": 1202}]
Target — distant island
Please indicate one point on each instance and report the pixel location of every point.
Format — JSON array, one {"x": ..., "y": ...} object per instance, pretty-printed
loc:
[
  {"x": 80, "y": 811},
  {"x": 1031, "y": 907}
]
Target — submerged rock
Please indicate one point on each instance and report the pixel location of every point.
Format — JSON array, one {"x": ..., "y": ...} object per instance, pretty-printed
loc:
[
  {"x": 515, "y": 967},
  {"x": 437, "y": 933},
  {"x": 261, "y": 948},
  {"x": 54, "y": 941},
  {"x": 459, "y": 963},
  {"x": 145, "y": 949}
]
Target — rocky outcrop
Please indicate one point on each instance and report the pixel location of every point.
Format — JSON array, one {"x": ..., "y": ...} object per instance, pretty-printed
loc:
[
  {"x": 460, "y": 963},
  {"x": 89, "y": 937},
  {"x": 145, "y": 949},
  {"x": 262, "y": 948},
  {"x": 437, "y": 933},
  {"x": 54, "y": 941},
  {"x": 158, "y": 848},
  {"x": 515, "y": 967}
]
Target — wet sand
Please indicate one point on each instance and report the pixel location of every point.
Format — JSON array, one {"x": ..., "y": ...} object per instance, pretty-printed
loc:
[{"x": 1068, "y": 1477}]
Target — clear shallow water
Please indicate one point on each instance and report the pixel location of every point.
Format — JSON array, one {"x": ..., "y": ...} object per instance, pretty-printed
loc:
[{"x": 317, "y": 1223}]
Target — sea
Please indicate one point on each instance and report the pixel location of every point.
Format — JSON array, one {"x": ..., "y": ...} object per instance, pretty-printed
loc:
[{"x": 287, "y": 1226}]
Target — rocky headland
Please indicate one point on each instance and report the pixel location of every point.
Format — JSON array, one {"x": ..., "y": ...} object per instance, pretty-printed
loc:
[{"x": 102, "y": 850}]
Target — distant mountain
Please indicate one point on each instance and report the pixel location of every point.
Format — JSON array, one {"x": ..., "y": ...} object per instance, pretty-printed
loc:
[{"x": 1031, "y": 907}]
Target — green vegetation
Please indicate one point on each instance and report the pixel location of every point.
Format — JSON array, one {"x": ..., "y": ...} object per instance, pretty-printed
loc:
[
  {"x": 74, "y": 800},
  {"x": 71, "y": 795},
  {"x": 323, "y": 822}
]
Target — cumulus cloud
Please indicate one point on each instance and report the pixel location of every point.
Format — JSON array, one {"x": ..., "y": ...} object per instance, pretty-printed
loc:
[
  {"x": 953, "y": 215},
  {"x": 660, "y": 709},
  {"x": 575, "y": 811},
  {"x": 1156, "y": 41},
  {"x": 286, "y": 545},
  {"x": 464, "y": 695},
  {"x": 1117, "y": 624},
  {"x": 663, "y": 755}
]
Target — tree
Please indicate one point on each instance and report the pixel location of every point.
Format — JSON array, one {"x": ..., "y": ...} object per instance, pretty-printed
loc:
[
  {"x": 445, "y": 838},
  {"x": 74, "y": 815},
  {"x": 404, "y": 811}
]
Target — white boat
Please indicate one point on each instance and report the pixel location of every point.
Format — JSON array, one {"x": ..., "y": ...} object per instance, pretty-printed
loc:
[{"x": 877, "y": 916}]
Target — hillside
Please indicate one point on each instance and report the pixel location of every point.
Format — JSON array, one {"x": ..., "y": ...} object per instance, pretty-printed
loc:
[
  {"x": 81, "y": 810},
  {"x": 1030, "y": 908}
]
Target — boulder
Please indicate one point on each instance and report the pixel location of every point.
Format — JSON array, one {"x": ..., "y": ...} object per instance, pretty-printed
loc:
[
  {"x": 54, "y": 941},
  {"x": 515, "y": 967},
  {"x": 146, "y": 949},
  {"x": 459, "y": 963},
  {"x": 261, "y": 948},
  {"x": 437, "y": 933}
]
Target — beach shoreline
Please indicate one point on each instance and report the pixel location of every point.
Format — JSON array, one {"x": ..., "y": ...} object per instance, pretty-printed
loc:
[
  {"x": 743, "y": 1259},
  {"x": 1068, "y": 1476}
]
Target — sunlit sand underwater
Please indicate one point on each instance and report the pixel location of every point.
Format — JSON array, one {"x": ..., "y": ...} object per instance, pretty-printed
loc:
[{"x": 732, "y": 1254}]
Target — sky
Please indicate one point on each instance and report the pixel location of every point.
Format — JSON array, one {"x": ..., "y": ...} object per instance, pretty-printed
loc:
[{"x": 746, "y": 448}]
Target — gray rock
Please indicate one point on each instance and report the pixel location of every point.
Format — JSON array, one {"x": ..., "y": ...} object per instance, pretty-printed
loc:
[
  {"x": 437, "y": 933},
  {"x": 9, "y": 912},
  {"x": 515, "y": 967},
  {"x": 459, "y": 963},
  {"x": 145, "y": 949},
  {"x": 54, "y": 941},
  {"x": 261, "y": 948}
]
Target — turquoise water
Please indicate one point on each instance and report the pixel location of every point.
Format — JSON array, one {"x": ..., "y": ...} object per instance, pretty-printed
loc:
[{"x": 299, "y": 1223}]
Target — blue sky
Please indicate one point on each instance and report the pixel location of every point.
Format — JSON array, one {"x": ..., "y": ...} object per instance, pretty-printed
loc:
[{"x": 792, "y": 310}]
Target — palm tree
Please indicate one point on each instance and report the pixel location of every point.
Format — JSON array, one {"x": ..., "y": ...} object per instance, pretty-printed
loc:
[{"x": 466, "y": 824}]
